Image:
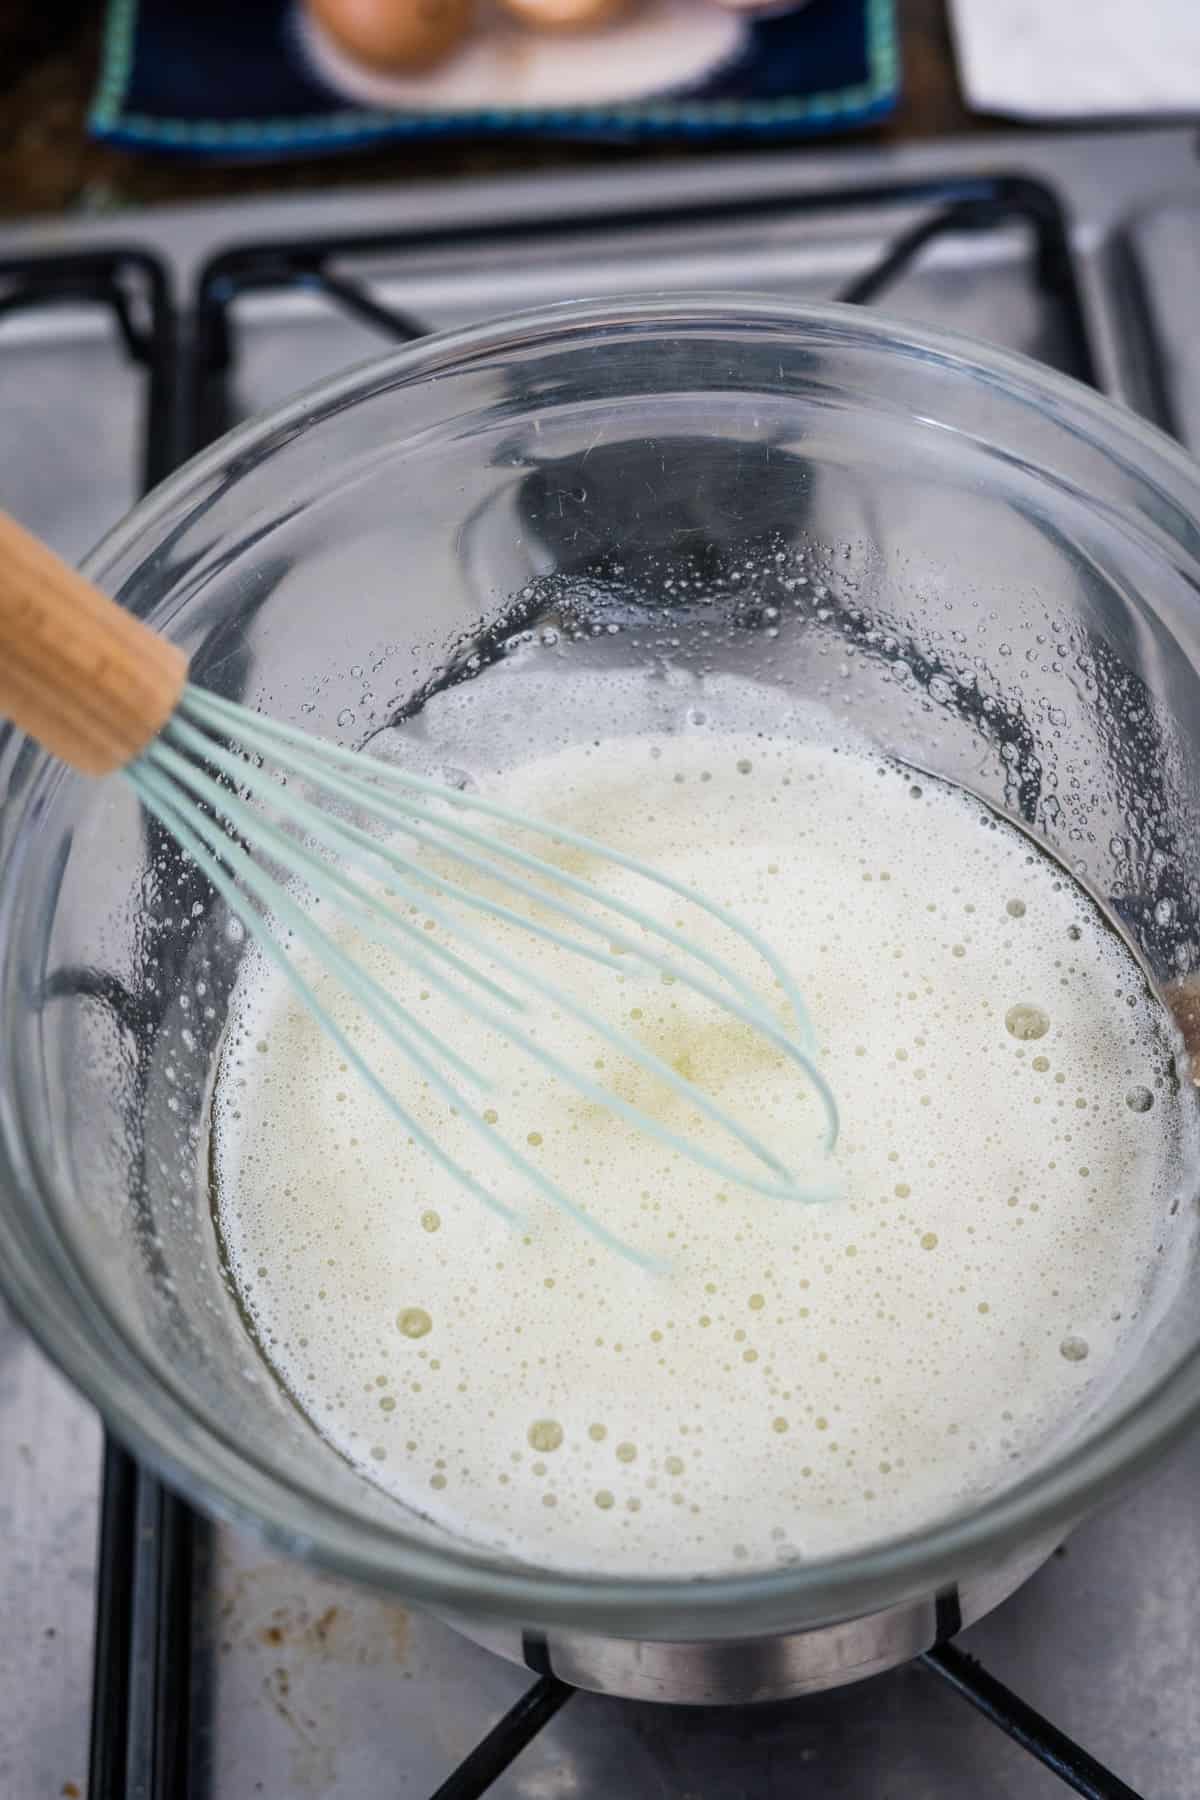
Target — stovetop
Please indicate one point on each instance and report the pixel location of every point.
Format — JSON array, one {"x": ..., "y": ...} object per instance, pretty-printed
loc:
[{"x": 218, "y": 1670}]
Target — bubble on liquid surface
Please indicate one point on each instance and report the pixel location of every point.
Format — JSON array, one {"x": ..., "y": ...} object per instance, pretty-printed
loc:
[
  {"x": 1074, "y": 1349},
  {"x": 545, "y": 1434},
  {"x": 1026, "y": 1021},
  {"x": 1139, "y": 1099},
  {"x": 414, "y": 1322}
]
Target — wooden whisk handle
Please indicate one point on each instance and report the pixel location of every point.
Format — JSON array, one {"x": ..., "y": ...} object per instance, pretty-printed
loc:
[{"x": 81, "y": 675}]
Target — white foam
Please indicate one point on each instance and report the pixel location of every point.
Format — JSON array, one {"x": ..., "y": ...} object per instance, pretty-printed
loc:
[{"x": 805, "y": 1379}]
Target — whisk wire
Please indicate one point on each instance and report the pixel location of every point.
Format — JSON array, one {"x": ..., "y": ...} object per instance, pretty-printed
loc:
[
  {"x": 218, "y": 778},
  {"x": 420, "y": 945},
  {"x": 275, "y": 895},
  {"x": 301, "y": 865},
  {"x": 360, "y": 789},
  {"x": 364, "y": 792},
  {"x": 300, "y": 812},
  {"x": 373, "y": 772},
  {"x": 157, "y": 795},
  {"x": 418, "y": 824},
  {"x": 156, "y": 791}
]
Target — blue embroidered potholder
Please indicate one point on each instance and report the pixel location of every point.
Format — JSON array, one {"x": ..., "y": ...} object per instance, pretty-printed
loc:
[{"x": 231, "y": 78}]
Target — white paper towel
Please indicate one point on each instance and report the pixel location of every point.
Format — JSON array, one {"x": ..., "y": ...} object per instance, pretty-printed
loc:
[{"x": 1063, "y": 59}]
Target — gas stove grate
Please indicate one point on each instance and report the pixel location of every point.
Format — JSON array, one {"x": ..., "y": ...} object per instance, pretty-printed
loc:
[
  {"x": 133, "y": 287},
  {"x": 972, "y": 203},
  {"x": 153, "y": 1546},
  {"x": 1052, "y": 1748}
]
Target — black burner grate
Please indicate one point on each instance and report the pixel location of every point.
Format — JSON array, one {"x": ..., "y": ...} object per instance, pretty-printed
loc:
[
  {"x": 133, "y": 287},
  {"x": 972, "y": 203},
  {"x": 1052, "y": 1748},
  {"x": 151, "y": 1552}
]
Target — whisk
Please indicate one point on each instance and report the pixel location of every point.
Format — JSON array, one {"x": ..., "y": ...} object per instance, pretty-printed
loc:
[{"x": 275, "y": 817}]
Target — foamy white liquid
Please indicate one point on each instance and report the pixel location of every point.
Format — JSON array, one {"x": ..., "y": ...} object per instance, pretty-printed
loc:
[{"x": 804, "y": 1379}]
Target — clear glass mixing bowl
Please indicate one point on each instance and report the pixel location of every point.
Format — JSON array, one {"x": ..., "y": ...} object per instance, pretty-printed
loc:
[{"x": 989, "y": 569}]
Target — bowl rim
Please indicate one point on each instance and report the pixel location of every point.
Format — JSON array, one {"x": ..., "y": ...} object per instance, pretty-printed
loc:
[{"x": 232, "y": 1481}]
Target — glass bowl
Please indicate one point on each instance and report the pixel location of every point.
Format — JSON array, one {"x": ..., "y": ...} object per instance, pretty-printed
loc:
[{"x": 989, "y": 569}]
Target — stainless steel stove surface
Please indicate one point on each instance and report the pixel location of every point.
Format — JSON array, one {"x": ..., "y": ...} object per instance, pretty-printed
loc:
[{"x": 298, "y": 1685}]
